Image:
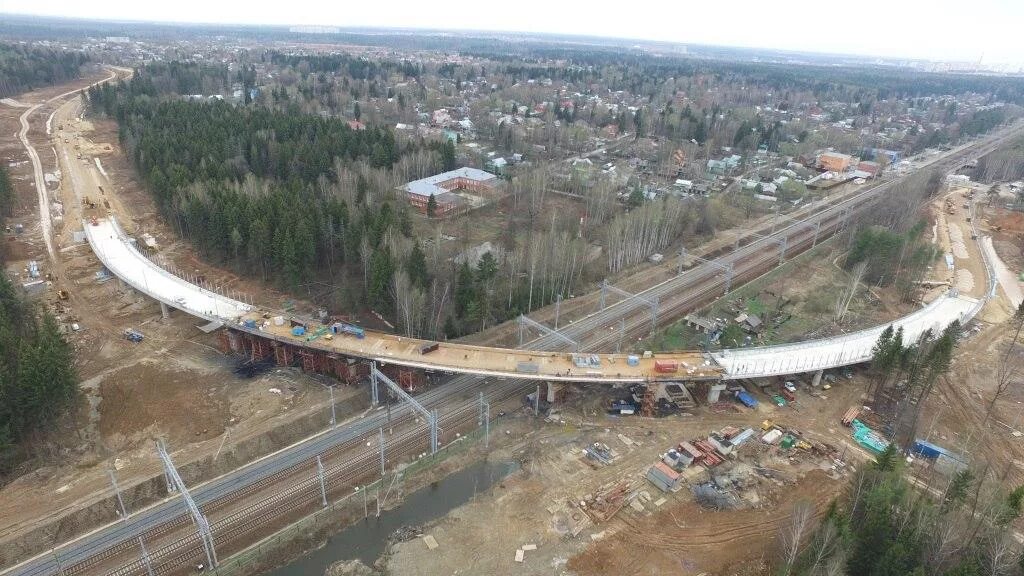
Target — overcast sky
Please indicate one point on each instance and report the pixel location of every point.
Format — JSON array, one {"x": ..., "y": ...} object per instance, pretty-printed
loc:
[{"x": 931, "y": 29}]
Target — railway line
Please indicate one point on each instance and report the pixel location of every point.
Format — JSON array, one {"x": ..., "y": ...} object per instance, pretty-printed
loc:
[
  {"x": 705, "y": 281},
  {"x": 238, "y": 505},
  {"x": 688, "y": 290},
  {"x": 247, "y": 510}
]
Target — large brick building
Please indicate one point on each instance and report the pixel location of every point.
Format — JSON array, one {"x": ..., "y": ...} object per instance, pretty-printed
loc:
[
  {"x": 834, "y": 161},
  {"x": 440, "y": 186}
]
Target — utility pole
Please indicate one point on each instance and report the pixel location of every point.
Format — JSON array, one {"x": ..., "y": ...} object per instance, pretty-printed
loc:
[
  {"x": 320, "y": 475},
  {"x": 117, "y": 490},
  {"x": 334, "y": 419},
  {"x": 487, "y": 425},
  {"x": 145, "y": 558},
  {"x": 622, "y": 334},
  {"x": 202, "y": 525},
  {"x": 381, "y": 442},
  {"x": 558, "y": 307}
]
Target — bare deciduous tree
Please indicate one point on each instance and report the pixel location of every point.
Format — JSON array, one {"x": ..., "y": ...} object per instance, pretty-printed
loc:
[
  {"x": 801, "y": 521},
  {"x": 844, "y": 298}
]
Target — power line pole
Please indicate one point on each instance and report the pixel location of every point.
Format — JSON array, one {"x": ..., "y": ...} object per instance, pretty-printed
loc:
[
  {"x": 117, "y": 491},
  {"x": 202, "y": 525},
  {"x": 320, "y": 475},
  {"x": 145, "y": 558}
]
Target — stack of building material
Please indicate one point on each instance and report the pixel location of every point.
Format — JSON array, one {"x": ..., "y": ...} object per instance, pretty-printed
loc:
[
  {"x": 710, "y": 457},
  {"x": 689, "y": 450},
  {"x": 600, "y": 452},
  {"x": 604, "y": 505},
  {"x": 851, "y": 415},
  {"x": 741, "y": 437}
]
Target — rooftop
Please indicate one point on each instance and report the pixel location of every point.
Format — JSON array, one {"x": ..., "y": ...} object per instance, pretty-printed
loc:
[{"x": 430, "y": 186}]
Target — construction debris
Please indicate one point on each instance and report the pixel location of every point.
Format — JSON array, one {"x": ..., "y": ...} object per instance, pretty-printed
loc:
[{"x": 606, "y": 503}]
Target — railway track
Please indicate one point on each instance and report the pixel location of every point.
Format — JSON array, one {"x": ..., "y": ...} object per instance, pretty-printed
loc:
[
  {"x": 699, "y": 284},
  {"x": 234, "y": 502},
  {"x": 252, "y": 508}
]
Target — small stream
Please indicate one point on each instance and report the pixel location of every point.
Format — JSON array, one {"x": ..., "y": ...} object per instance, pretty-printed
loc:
[{"x": 367, "y": 539}]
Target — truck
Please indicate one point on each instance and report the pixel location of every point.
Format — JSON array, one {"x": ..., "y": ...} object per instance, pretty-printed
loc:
[
  {"x": 345, "y": 328},
  {"x": 746, "y": 399},
  {"x": 132, "y": 335},
  {"x": 666, "y": 366},
  {"x": 622, "y": 407}
]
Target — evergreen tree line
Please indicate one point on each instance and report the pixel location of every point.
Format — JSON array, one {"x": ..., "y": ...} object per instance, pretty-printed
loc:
[
  {"x": 633, "y": 71},
  {"x": 24, "y": 68},
  {"x": 886, "y": 526},
  {"x": 6, "y": 201},
  {"x": 37, "y": 374},
  {"x": 262, "y": 188},
  {"x": 299, "y": 198},
  {"x": 356, "y": 67},
  {"x": 37, "y": 378},
  {"x": 903, "y": 375}
]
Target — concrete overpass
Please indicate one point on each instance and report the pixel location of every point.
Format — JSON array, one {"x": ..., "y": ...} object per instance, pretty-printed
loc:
[{"x": 119, "y": 254}]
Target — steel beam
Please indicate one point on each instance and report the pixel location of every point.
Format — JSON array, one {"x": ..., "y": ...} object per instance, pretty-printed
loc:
[
  {"x": 727, "y": 268},
  {"x": 525, "y": 321},
  {"x": 431, "y": 417},
  {"x": 651, "y": 302},
  {"x": 200, "y": 521}
]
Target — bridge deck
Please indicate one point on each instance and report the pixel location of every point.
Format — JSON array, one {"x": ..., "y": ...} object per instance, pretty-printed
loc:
[
  {"x": 122, "y": 258},
  {"x": 853, "y": 348}
]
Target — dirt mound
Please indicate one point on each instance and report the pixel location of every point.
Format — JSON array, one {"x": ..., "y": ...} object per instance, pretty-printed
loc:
[
  {"x": 1008, "y": 220},
  {"x": 145, "y": 395}
]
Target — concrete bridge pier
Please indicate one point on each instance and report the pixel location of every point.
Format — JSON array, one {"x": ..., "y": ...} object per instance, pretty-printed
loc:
[
  {"x": 556, "y": 392},
  {"x": 817, "y": 378},
  {"x": 714, "y": 392},
  {"x": 165, "y": 311}
]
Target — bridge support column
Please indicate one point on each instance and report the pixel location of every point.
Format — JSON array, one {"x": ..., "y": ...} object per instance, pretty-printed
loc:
[
  {"x": 165, "y": 311},
  {"x": 817, "y": 378},
  {"x": 556, "y": 392},
  {"x": 714, "y": 392}
]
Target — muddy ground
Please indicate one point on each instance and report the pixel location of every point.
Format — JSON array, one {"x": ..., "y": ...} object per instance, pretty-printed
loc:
[
  {"x": 671, "y": 536},
  {"x": 174, "y": 385}
]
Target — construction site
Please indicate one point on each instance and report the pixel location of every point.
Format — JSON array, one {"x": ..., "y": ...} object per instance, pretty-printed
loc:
[{"x": 228, "y": 425}]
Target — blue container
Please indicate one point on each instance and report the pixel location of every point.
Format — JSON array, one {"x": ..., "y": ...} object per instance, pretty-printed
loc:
[
  {"x": 250, "y": 323},
  {"x": 298, "y": 331},
  {"x": 927, "y": 449},
  {"x": 633, "y": 360}
]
